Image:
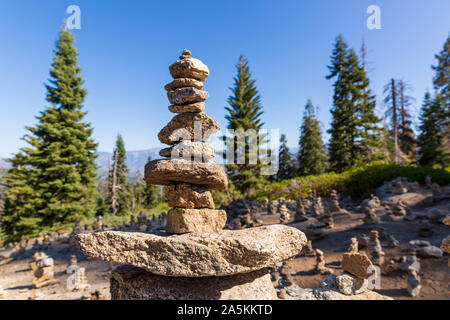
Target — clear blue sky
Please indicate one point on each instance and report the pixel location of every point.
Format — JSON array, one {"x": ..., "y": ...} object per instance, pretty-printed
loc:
[{"x": 125, "y": 48}]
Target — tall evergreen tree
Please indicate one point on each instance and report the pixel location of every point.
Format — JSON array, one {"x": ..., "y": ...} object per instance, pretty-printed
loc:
[
  {"x": 441, "y": 83},
  {"x": 391, "y": 103},
  {"x": 353, "y": 128},
  {"x": 407, "y": 142},
  {"x": 120, "y": 195},
  {"x": 58, "y": 167},
  {"x": 430, "y": 139},
  {"x": 245, "y": 112},
  {"x": 441, "y": 80},
  {"x": 311, "y": 157},
  {"x": 287, "y": 166}
]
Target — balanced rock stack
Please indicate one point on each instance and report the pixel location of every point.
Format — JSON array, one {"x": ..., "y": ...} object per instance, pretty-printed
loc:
[
  {"x": 189, "y": 175},
  {"x": 194, "y": 258}
]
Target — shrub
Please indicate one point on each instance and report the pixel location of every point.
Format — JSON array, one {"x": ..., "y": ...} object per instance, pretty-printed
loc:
[{"x": 358, "y": 183}]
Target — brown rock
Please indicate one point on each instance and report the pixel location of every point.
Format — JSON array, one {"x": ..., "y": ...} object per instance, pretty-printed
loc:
[
  {"x": 187, "y": 149},
  {"x": 187, "y": 95},
  {"x": 165, "y": 172},
  {"x": 188, "y": 126},
  {"x": 131, "y": 283},
  {"x": 188, "y": 67},
  {"x": 357, "y": 264},
  {"x": 182, "y": 83},
  {"x": 445, "y": 245},
  {"x": 185, "y": 195},
  {"x": 446, "y": 220},
  {"x": 224, "y": 253},
  {"x": 180, "y": 220},
  {"x": 192, "y": 107}
]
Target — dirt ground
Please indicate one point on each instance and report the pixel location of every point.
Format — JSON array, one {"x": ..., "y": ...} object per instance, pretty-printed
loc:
[
  {"x": 16, "y": 276},
  {"x": 435, "y": 273}
]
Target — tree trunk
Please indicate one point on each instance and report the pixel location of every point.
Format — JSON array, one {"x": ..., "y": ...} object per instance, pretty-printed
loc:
[
  {"x": 394, "y": 119},
  {"x": 114, "y": 185}
]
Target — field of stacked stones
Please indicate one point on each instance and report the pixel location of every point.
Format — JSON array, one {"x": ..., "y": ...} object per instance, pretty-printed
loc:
[{"x": 414, "y": 246}]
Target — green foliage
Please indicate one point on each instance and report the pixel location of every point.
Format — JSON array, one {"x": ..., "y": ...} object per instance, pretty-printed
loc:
[
  {"x": 312, "y": 158},
  {"x": 120, "y": 193},
  {"x": 224, "y": 197},
  {"x": 53, "y": 179},
  {"x": 287, "y": 166},
  {"x": 244, "y": 115},
  {"x": 358, "y": 183},
  {"x": 353, "y": 128},
  {"x": 432, "y": 126},
  {"x": 441, "y": 80}
]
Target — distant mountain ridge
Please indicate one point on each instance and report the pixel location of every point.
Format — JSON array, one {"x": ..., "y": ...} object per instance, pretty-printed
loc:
[{"x": 135, "y": 161}]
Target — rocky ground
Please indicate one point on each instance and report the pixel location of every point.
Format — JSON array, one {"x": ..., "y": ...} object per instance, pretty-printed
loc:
[
  {"x": 435, "y": 272},
  {"x": 16, "y": 276}
]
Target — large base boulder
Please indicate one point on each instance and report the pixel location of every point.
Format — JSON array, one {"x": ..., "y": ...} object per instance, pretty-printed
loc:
[
  {"x": 227, "y": 252},
  {"x": 131, "y": 283}
]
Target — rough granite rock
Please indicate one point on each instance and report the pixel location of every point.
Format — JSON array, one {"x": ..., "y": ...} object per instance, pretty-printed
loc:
[
  {"x": 188, "y": 126},
  {"x": 182, "y": 83},
  {"x": 357, "y": 264},
  {"x": 350, "y": 285},
  {"x": 185, "y": 195},
  {"x": 188, "y": 149},
  {"x": 445, "y": 245},
  {"x": 165, "y": 172},
  {"x": 188, "y": 67},
  {"x": 181, "y": 220},
  {"x": 224, "y": 253},
  {"x": 429, "y": 252},
  {"x": 191, "y": 107},
  {"x": 131, "y": 283},
  {"x": 328, "y": 290},
  {"x": 187, "y": 95}
]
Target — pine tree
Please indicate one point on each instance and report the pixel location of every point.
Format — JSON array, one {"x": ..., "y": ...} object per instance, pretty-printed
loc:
[
  {"x": 120, "y": 195},
  {"x": 353, "y": 128},
  {"x": 138, "y": 188},
  {"x": 287, "y": 166},
  {"x": 151, "y": 193},
  {"x": 407, "y": 142},
  {"x": 441, "y": 83},
  {"x": 368, "y": 121},
  {"x": 441, "y": 80},
  {"x": 391, "y": 102},
  {"x": 54, "y": 178},
  {"x": 245, "y": 112},
  {"x": 311, "y": 157},
  {"x": 430, "y": 138}
]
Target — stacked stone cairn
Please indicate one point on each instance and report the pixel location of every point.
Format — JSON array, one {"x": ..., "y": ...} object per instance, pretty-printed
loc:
[
  {"x": 321, "y": 268},
  {"x": 285, "y": 216},
  {"x": 193, "y": 258},
  {"x": 376, "y": 249},
  {"x": 358, "y": 268},
  {"x": 42, "y": 268},
  {"x": 73, "y": 265},
  {"x": 317, "y": 208},
  {"x": 370, "y": 216},
  {"x": 354, "y": 246},
  {"x": 334, "y": 206},
  {"x": 300, "y": 212},
  {"x": 142, "y": 221}
]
